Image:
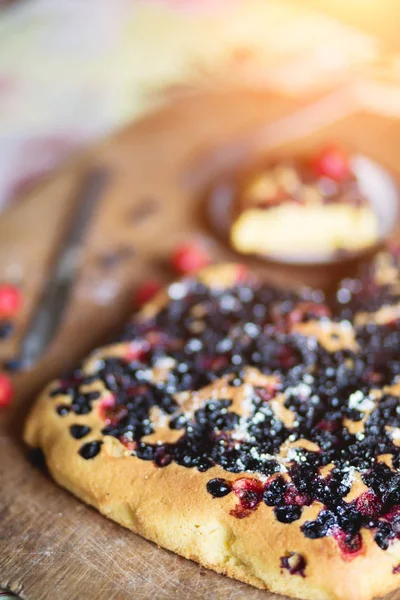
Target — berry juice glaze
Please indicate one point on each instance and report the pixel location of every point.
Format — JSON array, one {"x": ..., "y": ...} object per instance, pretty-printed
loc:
[{"x": 343, "y": 403}]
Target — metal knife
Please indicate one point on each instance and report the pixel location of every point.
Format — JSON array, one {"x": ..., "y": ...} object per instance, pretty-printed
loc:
[{"x": 54, "y": 300}]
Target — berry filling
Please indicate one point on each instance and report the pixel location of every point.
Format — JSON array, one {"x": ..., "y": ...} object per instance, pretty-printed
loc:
[
  {"x": 333, "y": 162},
  {"x": 189, "y": 258},
  {"x": 249, "y": 492},
  {"x": 350, "y": 544},
  {"x": 294, "y": 563}
]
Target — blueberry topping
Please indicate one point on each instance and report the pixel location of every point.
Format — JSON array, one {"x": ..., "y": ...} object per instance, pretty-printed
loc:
[
  {"x": 321, "y": 527},
  {"x": 396, "y": 569},
  {"x": 90, "y": 450},
  {"x": 287, "y": 514},
  {"x": 330, "y": 396},
  {"x": 79, "y": 431},
  {"x": 275, "y": 491},
  {"x": 218, "y": 487}
]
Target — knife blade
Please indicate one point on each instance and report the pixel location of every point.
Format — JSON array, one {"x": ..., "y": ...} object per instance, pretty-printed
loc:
[{"x": 56, "y": 294}]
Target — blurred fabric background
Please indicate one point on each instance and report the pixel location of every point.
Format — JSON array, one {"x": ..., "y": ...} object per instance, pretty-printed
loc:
[{"x": 72, "y": 71}]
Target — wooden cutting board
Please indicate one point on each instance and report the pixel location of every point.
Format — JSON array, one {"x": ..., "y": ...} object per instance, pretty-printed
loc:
[{"x": 51, "y": 545}]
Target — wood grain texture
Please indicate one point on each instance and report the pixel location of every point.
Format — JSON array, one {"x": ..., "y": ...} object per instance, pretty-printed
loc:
[{"x": 51, "y": 545}]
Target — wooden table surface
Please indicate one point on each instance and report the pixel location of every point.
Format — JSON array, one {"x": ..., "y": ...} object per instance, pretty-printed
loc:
[{"x": 51, "y": 545}]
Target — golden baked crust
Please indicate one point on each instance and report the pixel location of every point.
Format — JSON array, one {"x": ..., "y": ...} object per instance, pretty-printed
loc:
[{"x": 218, "y": 513}]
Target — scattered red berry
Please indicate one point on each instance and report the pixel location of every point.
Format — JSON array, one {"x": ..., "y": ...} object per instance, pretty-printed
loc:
[
  {"x": 333, "y": 162},
  {"x": 146, "y": 292},
  {"x": 135, "y": 351},
  {"x": 10, "y": 300},
  {"x": 249, "y": 491},
  {"x": 293, "y": 497},
  {"x": 369, "y": 505},
  {"x": 267, "y": 393},
  {"x": 129, "y": 444},
  {"x": 349, "y": 544},
  {"x": 242, "y": 273},
  {"x": 6, "y": 391},
  {"x": 110, "y": 411},
  {"x": 189, "y": 258}
]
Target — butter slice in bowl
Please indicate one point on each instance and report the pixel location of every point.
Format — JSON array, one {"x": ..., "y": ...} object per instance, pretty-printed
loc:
[{"x": 313, "y": 210}]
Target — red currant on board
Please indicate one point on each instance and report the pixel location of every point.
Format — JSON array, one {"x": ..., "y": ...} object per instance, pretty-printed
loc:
[
  {"x": 333, "y": 162},
  {"x": 10, "y": 300},
  {"x": 6, "y": 391},
  {"x": 189, "y": 258},
  {"x": 241, "y": 273},
  {"x": 146, "y": 291}
]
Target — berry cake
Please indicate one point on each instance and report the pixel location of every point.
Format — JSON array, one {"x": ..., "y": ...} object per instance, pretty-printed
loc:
[
  {"x": 304, "y": 207},
  {"x": 251, "y": 429}
]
